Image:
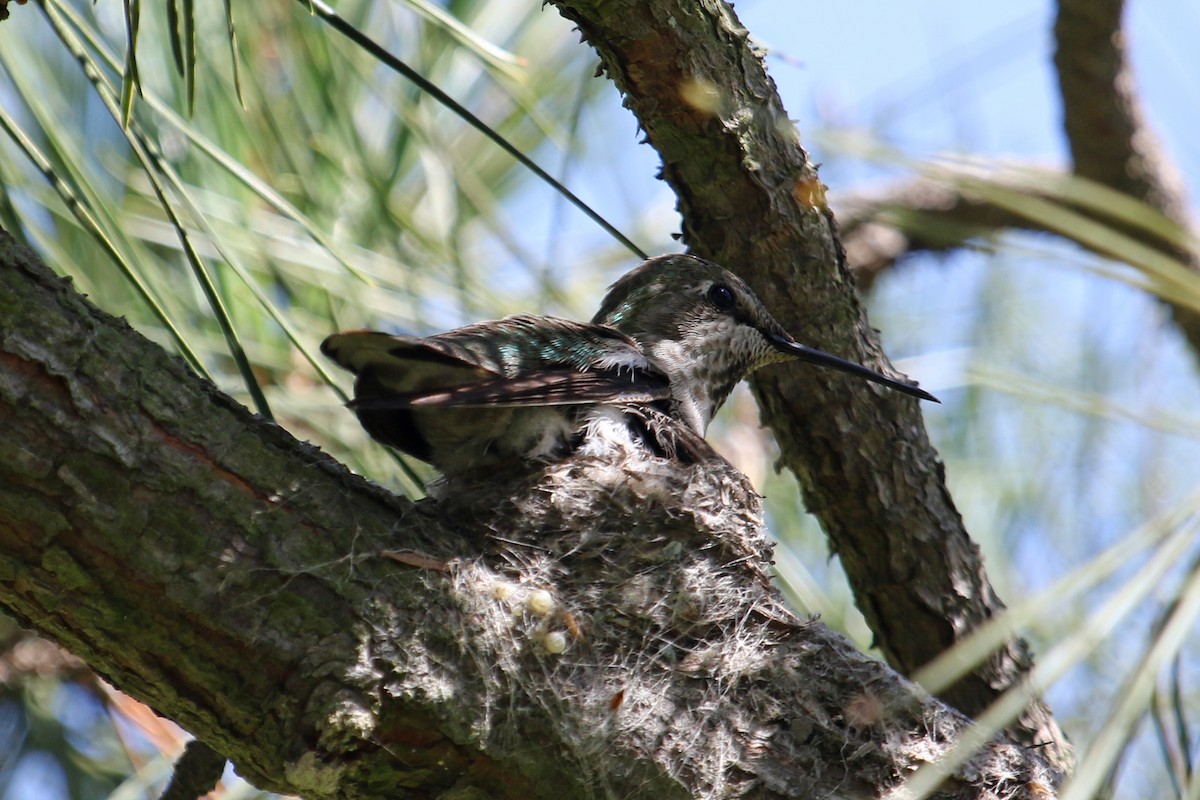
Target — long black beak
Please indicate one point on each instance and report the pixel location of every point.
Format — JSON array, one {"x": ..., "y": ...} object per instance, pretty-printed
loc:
[{"x": 813, "y": 356}]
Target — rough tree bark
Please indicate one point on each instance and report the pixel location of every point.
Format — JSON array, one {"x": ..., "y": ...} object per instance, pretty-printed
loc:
[
  {"x": 751, "y": 200},
  {"x": 207, "y": 563},
  {"x": 237, "y": 581}
]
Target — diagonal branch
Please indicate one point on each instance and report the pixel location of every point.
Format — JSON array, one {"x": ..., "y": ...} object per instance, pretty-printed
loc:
[
  {"x": 751, "y": 200},
  {"x": 918, "y": 216},
  {"x": 1110, "y": 139},
  {"x": 603, "y": 628}
]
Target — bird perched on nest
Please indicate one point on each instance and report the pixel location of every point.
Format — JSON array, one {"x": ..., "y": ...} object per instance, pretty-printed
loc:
[{"x": 670, "y": 341}]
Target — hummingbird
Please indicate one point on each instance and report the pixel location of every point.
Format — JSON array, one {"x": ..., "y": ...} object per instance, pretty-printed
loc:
[{"x": 671, "y": 340}]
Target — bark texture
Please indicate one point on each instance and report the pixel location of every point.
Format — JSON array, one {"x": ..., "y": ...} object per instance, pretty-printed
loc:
[
  {"x": 752, "y": 201},
  {"x": 601, "y": 628}
]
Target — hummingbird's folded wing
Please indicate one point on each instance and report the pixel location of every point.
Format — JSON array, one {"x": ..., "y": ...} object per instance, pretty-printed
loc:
[
  {"x": 544, "y": 387},
  {"x": 517, "y": 361},
  {"x": 397, "y": 359}
]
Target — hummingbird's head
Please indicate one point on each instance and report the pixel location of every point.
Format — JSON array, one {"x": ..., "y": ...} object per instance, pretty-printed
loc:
[{"x": 708, "y": 330}]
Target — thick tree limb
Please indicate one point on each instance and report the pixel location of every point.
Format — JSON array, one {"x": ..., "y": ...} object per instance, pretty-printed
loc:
[
  {"x": 751, "y": 200},
  {"x": 233, "y": 578}
]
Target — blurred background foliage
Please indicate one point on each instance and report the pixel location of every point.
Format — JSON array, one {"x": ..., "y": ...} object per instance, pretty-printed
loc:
[{"x": 287, "y": 184}]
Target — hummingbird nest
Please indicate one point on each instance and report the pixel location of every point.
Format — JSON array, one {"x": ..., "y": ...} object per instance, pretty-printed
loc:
[{"x": 609, "y": 629}]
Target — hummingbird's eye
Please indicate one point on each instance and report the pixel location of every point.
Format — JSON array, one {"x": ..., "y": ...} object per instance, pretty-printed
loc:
[{"x": 721, "y": 296}]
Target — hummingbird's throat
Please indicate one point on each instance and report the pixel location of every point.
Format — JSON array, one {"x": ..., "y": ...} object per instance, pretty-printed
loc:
[{"x": 705, "y": 366}]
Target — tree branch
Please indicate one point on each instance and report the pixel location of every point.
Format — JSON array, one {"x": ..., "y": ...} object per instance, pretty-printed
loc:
[
  {"x": 1111, "y": 142},
  {"x": 918, "y": 216},
  {"x": 751, "y": 200},
  {"x": 604, "y": 627}
]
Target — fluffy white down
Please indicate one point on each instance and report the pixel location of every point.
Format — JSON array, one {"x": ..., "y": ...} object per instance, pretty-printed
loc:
[
  {"x": 623, "y": 359},
  {"x": 606, "y": 433}
]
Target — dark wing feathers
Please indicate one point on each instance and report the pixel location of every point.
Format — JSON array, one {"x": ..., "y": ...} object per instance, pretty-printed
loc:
[
  {"x": 534, "y": 387},
  {"x": 510, "y": 343},
  {"x": 358, "y": 351},
  {"x": 444, "y": 371}
]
